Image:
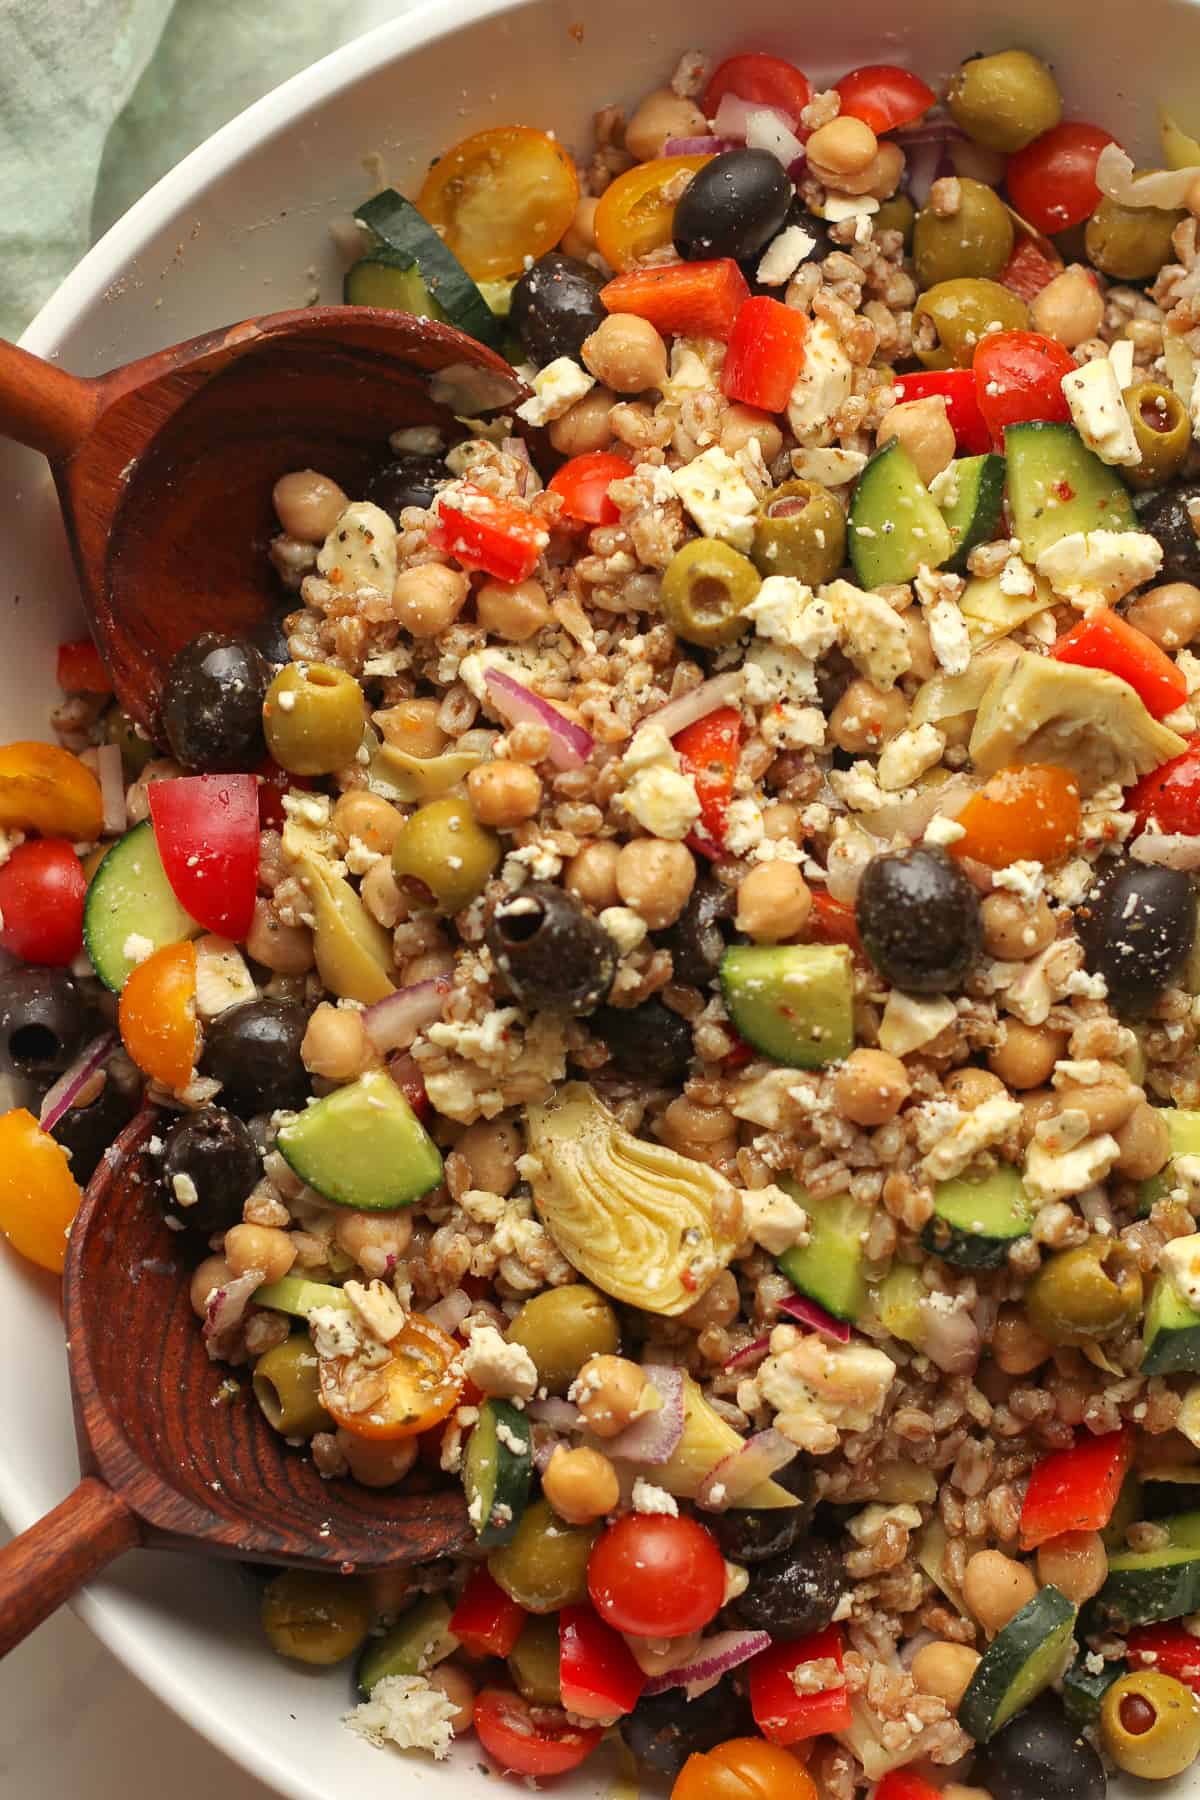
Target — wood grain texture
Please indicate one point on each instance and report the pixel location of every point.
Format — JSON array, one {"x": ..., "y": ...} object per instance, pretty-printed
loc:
[{"x": 53, "y": 1559}]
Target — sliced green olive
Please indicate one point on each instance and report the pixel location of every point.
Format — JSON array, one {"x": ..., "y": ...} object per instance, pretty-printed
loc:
[
  {"x": 562, "y": 1328},
  {"x": 1085, "y": 1295},
  {"x": 1150, "y": 1724},
  {"x": 544, "y": 1567},
  {"x": 975, "y": 240},
  {"x": 950, "y": 319},
  {"x": 1004, "y": 101},
  {"x": 444, "y": 858},
  {"x": 800, "y": 531},
  {"x": 313, "y": 718},
  {"x": 534, "y": 1661},
  {"x": 705, "y": 591},
  {"x": 135, "y": 751},
  {"x": 1163, "y": 432},
  {"x": 897, "y": 214},
  {"x": 314, "y": 1618},
  {"x": 286, "y": 1388},
  {"x": 354, "y": 954},
  {"x": 1130, "y": 243}
]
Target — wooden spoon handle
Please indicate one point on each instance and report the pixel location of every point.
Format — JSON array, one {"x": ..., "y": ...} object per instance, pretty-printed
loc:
[
  {"x": 53, "y": 1559},
  {"x": 41, "y": 405}
]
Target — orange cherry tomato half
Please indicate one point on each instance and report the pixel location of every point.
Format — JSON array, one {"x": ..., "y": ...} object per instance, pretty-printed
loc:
[
  {"x": 44, "y": 788},
  {"x": 500, "y": 197},
  {"x": 421, "y": 1385},
  {"x": 530, "y": 1740},
  {"x": 1029, "y": 814},
  {"x": 582, "y": 486},
  {"x": 158, "y": 1015},
  {"x": 39, "y": 1196},
  {"x": 636, "y": 213},
  {"x": 744, "y": 1769}
]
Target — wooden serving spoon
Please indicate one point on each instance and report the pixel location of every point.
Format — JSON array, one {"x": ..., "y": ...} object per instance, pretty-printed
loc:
[
  {"x": 165, "y": 467},
  {"x": 169, "y": 1457}
]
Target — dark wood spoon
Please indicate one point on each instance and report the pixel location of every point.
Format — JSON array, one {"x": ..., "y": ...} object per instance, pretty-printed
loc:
[
  {"x": 168, "y": 1460},
  {"x": 164, "y": 467}
]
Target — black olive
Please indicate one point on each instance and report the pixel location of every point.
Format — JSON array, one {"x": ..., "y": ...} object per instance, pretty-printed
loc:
[
  {"x": 649, "y": 1041},
  {"x": 919, "y": 920},
  {"x": 702, "y": 933},
  {"x": 209, "y": 1166},
  {"x": 269, "y": 637},
  {"x": 253, "y": 1050},
  {"x": 212, "y": 704},
  {"x": 412, "y": 479},
  {"x": 555, "y": 305},
  {"x": 1039, "y": 1756},
  {"x": 733, "y": 206},
  {"x": 1164, "y": 514},
  {"x": 1136, "y": 925},
  {"x": 87, "y": 1131},
  {"x": 553, "y": 954},
  {"x": 43, "y": 1019},
  {"x": 794, "y": 1594},
  {"x": 746, "y": 1536},
  {"x": 665, "y": 1729}
]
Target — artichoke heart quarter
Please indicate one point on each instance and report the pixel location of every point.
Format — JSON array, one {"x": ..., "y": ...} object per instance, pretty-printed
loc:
[{"x": 648, "y": 1226}]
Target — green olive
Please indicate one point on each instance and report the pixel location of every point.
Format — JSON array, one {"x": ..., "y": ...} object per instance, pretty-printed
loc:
[
  {"x": 136, "y": 751},
  {"x": 443, "y": 858},
  {"x": 544, "y": 1567},
  {"x": 977, "y": 239},
  {"x": 1004, "y": 101},
  {"x": 800, "y": 530},
  {"x": 1130, "y": 243},
  {"x": 561, "y": 1329},
  {"x": 313, "y": 718},
  {"x": 1150, "y": 1725},
  {"x": 705, "y": 591},
  {"x": 313, "y": 1618},
  {"x": 950, "y": 319},
  {"x": 534, "y": 1661},
  {"x": 1084, "y": 1295},
  {"x": 1163, "y": 432},
  {"x": 285, "y": 1386},
  {"x": 897, "y": 214}
]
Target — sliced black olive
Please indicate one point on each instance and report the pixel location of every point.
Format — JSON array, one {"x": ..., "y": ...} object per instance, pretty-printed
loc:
[
  {"x": 253, "y": 1050},
  {"x": 1137, "y": 925},
  {"x": 1040, "y": 1756},
  {"x": 747, "y": 1536},
  {"x": 1166, "y": 513},
  {"x": 919, "y": 920},
  {"x": 664, "y": 1730},
  {"x": 702, "y": 933},
  {"x": 212, "y": 704},
  {"x": 733, "y": 206},
  {"x": 649, "y": 1042},
  {"x": 554, "y": 955},
  {"x": 794, "y": 1594},
  {"x": 555, "y": 305},
  {"x": 209, "y": 1166},
  {"x": 412, "y": 479},
  {"x": 43, "y": 1019},
  {"x": 87, "y": 1131}
]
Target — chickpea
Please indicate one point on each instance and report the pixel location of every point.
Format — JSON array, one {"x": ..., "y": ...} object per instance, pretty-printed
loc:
[
  {"x": 430, "y": 966},
  {"x": 871, "y": 1086},
  {"x": 308, "y": 505},
  {"x": 490, "y": 1148},
  {"x": 1012, "y": 932},
  {"x": 866, "y": 716},
  {"x": 336, "y": 1044},
  {"x": 782, "y": 820},
  {"x": 1169, "y": 614},
  {"x": 214, "y": 1272},
  {"x": 626, "y": 354},
  {"x": 773, "y": 903},
  {"x": 377, "y": 1462},
  {"x": 1143, "y": 1141},
  {"x": 1016, "y": 1346},
  {"x": 370, "y": 819},
  {"x": 924, "y": 431},
  {"x": 259, "y": 1247},
  {"x": 458, "y": 1688},
  {"x": 376, "y": 1241},
  {"x": 846, "y": 146},
  {"x": 1040, "y": 1103},
  {"x": 581, "y": 1485},
  {"x": 1069, "y": 308},
  {"x": 502, "y": 794},
  {"x": 380, "y": 892},
  {"x": 656, "y": 879},
  {"x": 688, "y": 1123},
  {"x": 741, "y": 425},
  {"x": 970, "y": 1087},
  {"x": 429, "y": 598},
  {"x": 284, "y": 949},
  {"x": 662, "y": 114},
  {"x": 515, "y": 612},
  {"x": 586, "y": 425},
  {"x": 412, "y": 726},
  {"x": 1027, "y": 1056},
  {"x": 1075, "y": 1563},
  {"x": 591, "y": 875},
  {"x": 610, "y": 1392},
  {"x": 883, "y": 174},
  {"x": 995, "y": 1588},
  {"x": 579, "y": 239},
  {"x": 1108, "y": 1104},
  {"x": 945, "y": 1670}
]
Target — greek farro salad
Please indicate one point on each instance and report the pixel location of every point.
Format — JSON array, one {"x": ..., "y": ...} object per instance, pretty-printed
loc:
[{"x": 669, "y": 971}]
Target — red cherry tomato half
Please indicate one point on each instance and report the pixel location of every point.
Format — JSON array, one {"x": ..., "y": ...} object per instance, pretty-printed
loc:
[
  {"x": 1018, "y": 377},
  {"x": 766, "y": 80},
  {"x": 655, "y": 1576},
  {"x": 41, "y": 902},
  {"x": 582, "y": 484},
  {"x": 530, "y": 1740},
  {"x": 1170, "y": 795},
  {"x": 1052, "y": 182},
  {"x": 206, "y": 829},
  {"x": 884, "y": 97}
]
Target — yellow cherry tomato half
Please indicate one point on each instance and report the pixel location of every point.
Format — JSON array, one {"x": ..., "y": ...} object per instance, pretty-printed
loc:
[
  {"x": 39, "y": 1196},
  {"x": 417, "y": 1389},
  {"x": 158, "y": 1015},
  {"x": 636, "y": 213},
  {"x": 500, "y": 197},
  {"x": 44, "y": 788}
]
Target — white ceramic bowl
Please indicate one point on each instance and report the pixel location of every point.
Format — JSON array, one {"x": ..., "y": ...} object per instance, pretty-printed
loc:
[{"x": 241, "y": 228}]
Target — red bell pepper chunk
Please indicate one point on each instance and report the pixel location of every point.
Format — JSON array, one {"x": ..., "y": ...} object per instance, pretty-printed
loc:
[
  {"x": 902, "y": 1784},
  {"x": 1018, "y": 379},
  {"x": 1103, "y": 640},
  {"x": 1170, "y": 794},
  {"x": 692, "y": 299},
  {"x": 206, "y": 829},
  {"x": 833, "y": 922},
  {"x": 583, "y": 483},
  {"x": 1076, "y": 1489},
  {"x": 481, "y": 532},
  {"x": 486, "y": 1621},
  {"x": 596, "y": 1669},
  {"x": 1169, "y": 1649},
  {"x": 1027, "y": 271},
  {"x": 765, "y": 354},
  {"x": 957, "y": 388},
  {"x": 708, "y": 752},
  {"x": 781, "y": 1714},
  {"x": 80, "y": 669}
]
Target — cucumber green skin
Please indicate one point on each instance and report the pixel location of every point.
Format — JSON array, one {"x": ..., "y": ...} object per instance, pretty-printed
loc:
[
  {"x": 829, "y": 1268},
  {"x": 1172, "y": 1333},
  {"x": 497, "y": 1474},
  {"x": 1082, "y": 1692},
  {"x": 1020, "y": 1663},
  {"x": 1183, "y": 1135},
  {"x": 372, "y": 1157},
  {"x": 998, "y": 1202},
  {"x": 418, "y": 1641},
  {"x": 1041, "y": 457},
  {"x": 293, "y": 1294},
  {"x": 1144, "y": 1586},
  {"x": 128, "y": 894},
  {"x": 388, "y": 280},
  {"x": 890, "y": 504},
  {"x": 975, "y": 516},
  {"x": 755, "y": 980},
  {"x": 400, "y": 227}
]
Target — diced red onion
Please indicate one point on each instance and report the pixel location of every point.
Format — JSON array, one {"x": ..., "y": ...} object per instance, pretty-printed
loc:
[
  {"x": 560, "y": 1415},
  {"x": 1168, "y": 849},
  {"x": 924, "y": 161},
  {"x": 450, "y": 1311},
  {"x": 799, "y": 1306},
  {"x": 517, "y": 447},
  {"x": 654, "y": 1437},
  {"x": 934, "y": 128},
  {"x": 697, "y": 146},
  {"x": 226, "y": 1309},
  {"x": 62, "y": 1095},
  {"x": 714, "y": 1657},
  {"x": 734, "y": 116},
  {"x": 798, "y": 169},
  {"x": 769, "y": 130},
  {"x": 570, "y": 744},
  {"x": 677, "y": 715},
  {"x": 392, "y": 1024},
  {"x": 112, "y": 788},
  {"x": 749, "y": 1353},
  {"x": 744, "y": 1469}
]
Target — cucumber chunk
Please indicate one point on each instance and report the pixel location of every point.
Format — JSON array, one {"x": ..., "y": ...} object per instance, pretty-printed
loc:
[
  {"x": 1171, "y": 1332},
  {"x": 1146, "y": 1585},
  {"x": 363, "y": 1146},
  {"x": 405, "y": 234},
  {"x": 1083, "y": 1691},
  {"x": 295, "y": 1295},
  {"x": 414, "y": 1644},
  {"x": 1020, "y": 1663},
  {"x": 976, "y": 1223},
  {"x": 1056, "y": 486},
  {"x": 129, "y": 904},
  {"x": 829, "y": 1268},
  {"x": 498, "y": 1472},
  {"x": 794, "y": 1002},
  {"x": 390, "y": 280},
  {"x": 895, "y": 524},
  {"x": 973, "y": 517}
]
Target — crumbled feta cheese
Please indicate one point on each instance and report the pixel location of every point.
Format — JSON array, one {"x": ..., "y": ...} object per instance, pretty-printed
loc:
[
  {"x": 556, "y": 388},
  {"x": 377, "y": 1309},
  {"x": 743, "y": 825},
  {"x": 772, "y": 673},
  {"x": 360, "y": 551},
  {"x": 840, "y": 207},
  {"x": 512, "y": 659},
  {"x": 943, "y": 832},
  {"x": 774, "y": 1221},
  {"x": 822, "y": 387},
  {"x": 1024, "y": 879},
  {"x": 137, "y": 948},
  {"x": 626, "y": 928},
  {"x": 831, "y": 467},
  {"x": 718, "y": 496},
  {"x": 1098, "y": 568},
  {"x": 818, "y": 1389},
  {"x": 334, "y": 1332},
  {"x": 407, "y": 1711},
  {"x": 650, "y": 1499},
  {"x": 1052, "y": 1174},
  {"x": 662, "y": 799},
  {"x": 949, "y": 638},
  {"x": 857, "y": 787},
  {"x": 184, "y": 1189},
  {"x": 943, "y": 489},
  {"x": 787, "y": 612},
  {"x": 988, "y": 1124},
  {"x": 784, "y": 254},
  {"x": 1179, "y": 1261},
  {"x": 1099, "y": 413},
  {"x": 497, "y": 1367},
  {"x": 788, "y": 727},
  {"x": 692, "y": 369},
  {"x": 872, "y": 632},
  {"x": 222, "y": 978},
  {"x": 1016, "y": 579},
  {"x": 866, "y": 1526},
  {"x": 484, "y": 1041},
  {"x": 907, "y": 1023},
  {"x": 907, "y": 756}
]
